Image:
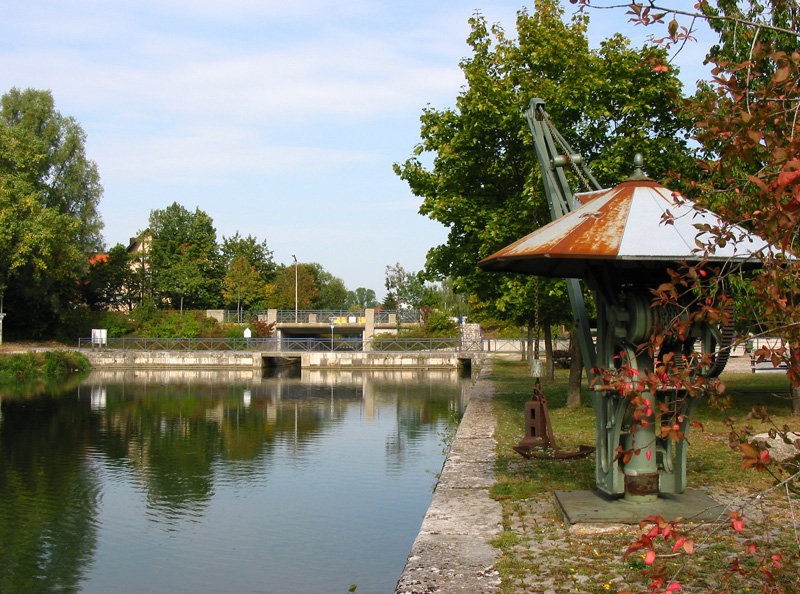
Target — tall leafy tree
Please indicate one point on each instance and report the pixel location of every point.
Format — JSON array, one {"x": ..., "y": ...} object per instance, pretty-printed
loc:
[
  {"x": 256, "y": 253},
  {"x": 408, "y": 287},
  {"x": 111, "y": 282},
  {"x": 242, "y": 284},
  {"x": 249, "y": 267},
  {"x": 49, "y": 224},
  {"x": 361, "y": 298},
  {"x": 281, "y": 294},
  {"x": 609, "y": 102},
  {"x": 184, "y": 257},
  {"x": 332, "y": 292},
  {"x": 68, "y": 181}
]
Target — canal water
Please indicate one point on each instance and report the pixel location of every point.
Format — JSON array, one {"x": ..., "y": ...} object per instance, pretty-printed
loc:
[{"x": 197, "y": 481}]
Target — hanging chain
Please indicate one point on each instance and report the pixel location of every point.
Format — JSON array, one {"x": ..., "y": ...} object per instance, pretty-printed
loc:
[{"x": 564, "y": 146}]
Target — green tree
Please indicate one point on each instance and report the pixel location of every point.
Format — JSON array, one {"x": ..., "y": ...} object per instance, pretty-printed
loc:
[
  {"x": 280, "y": 294},
  {"x": 256, "y": 253},
  {"x": 389, "y": 301},
  {"x": 242, "y": 285},
  {"x": 184, "y": 257},
  {"x": 49, "y": 223},
  {"x": 609, "y": 102},
  {"x": 361, "y": 298},
  {"x": 449, "y": 300},
  {"x": 111, "y": 284},
  {"x": 69, "y": 182},
  {"x": 332, "y": 292},
  {"x": 407, "y": 287}
]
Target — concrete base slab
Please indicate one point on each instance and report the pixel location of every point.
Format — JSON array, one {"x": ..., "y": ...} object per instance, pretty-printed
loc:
[{"x": 594, "y": 510}]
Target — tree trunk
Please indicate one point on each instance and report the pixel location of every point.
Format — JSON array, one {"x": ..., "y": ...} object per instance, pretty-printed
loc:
[
  {"x": 575, "y": 370},
  {"x": 522, "y": 345},
  {"x": 794, "y": 391},
  {"x": 532, "y": 354},
  {"x": 548, "y": 349}
]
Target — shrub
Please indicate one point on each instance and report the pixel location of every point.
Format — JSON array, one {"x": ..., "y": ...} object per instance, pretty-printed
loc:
[
  {"x": 440, "y": 324},
  {"x": 51, "y": 365},
  {"x": 261, "y": 329}
]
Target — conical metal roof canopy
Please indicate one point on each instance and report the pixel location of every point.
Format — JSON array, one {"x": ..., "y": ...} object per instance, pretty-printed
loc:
[{"x": 623, "y": 226}]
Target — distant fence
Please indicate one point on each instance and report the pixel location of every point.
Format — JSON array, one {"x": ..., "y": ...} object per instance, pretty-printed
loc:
[
  {"x": 296, "y": 345},
  {"x": 517, "y": 345}
]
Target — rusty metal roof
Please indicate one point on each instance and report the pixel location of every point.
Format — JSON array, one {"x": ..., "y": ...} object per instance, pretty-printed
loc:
[{"x": 625, "y": 226}]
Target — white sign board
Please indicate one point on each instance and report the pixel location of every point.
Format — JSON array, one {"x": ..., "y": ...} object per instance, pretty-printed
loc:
[{"x": 99, "y": 337}]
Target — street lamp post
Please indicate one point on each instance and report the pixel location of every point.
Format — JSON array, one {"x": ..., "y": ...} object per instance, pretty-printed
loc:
[
  {"x": 2, "y": 315},
  {"x": 295, "y": 287},
  {"x": 332, "y": 327}
]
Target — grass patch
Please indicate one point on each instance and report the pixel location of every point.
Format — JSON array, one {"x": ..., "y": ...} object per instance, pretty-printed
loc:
[
  {"x": 22, "y": 373},
  {"x": 539, "y": 554}
]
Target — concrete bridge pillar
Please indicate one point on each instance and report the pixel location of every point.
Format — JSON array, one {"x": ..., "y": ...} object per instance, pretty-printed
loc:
[{"x": 369, "y": 328}]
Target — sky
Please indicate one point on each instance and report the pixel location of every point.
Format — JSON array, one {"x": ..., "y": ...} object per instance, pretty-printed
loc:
[{"x": 280, "y": 120}]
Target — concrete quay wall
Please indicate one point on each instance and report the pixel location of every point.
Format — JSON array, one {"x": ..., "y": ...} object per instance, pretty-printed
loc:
[
  {"x": 452, "y": 553},
  {"x": 230, "y": 359},
  {"x": 367, "y": 360}
]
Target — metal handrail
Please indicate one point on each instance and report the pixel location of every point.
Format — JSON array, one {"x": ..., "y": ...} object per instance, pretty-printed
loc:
[
  {"x": 233, "y": 316},
  {"x": 399, "y": 316},
  {"x": 388, "y": 344},
  {"x": 320, "y": 316}
]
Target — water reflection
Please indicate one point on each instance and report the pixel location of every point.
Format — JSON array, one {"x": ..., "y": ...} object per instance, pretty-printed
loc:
[{"x": 162, "y": 466}]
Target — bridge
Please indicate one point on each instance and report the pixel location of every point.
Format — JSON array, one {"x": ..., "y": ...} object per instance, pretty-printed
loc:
[
  {"x": 364, "y": 324},
  {"x": 314, "y": 338}
]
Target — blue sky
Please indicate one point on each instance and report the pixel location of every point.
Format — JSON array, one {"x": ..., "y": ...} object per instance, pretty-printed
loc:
[{"x": 280, "y": 120}]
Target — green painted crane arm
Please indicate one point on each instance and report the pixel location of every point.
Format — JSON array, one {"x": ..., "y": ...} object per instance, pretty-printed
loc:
[{"x": 561, "y": 201}]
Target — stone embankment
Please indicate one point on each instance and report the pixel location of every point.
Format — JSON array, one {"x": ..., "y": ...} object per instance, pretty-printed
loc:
[
  {"x": 255, "y": 359},
  {"x": 452, "y": 552}
]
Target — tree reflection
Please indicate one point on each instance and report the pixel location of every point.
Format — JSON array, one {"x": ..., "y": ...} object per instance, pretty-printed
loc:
[{"x": 49, "y": 496}]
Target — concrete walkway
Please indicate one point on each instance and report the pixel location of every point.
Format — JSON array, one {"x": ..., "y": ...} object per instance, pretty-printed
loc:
[{"x": 452, "y": 551}]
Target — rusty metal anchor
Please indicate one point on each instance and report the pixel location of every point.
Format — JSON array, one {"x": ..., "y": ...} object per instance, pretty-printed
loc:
[{"x": 539, "y": 441}]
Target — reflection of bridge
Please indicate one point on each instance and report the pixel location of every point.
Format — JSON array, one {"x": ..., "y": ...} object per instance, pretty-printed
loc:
[
  {"x": 267, "y": 391},
  {"x": 313, "y": 323}
]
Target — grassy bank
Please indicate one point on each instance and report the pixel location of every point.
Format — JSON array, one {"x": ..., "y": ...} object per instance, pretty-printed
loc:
[
  {"x": 20, "y": 371},
  {"x": 539, "y": 555}
]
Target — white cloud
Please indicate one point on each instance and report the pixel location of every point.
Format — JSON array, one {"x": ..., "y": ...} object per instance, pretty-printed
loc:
[{"x": 210, "y": 155}]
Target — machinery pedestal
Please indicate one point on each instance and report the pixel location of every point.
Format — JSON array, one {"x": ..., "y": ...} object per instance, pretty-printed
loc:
[{"x": 595, "y": 511}]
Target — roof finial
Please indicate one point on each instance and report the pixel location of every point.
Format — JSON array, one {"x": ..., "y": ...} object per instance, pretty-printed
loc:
[{"x": 638, "y": 172}]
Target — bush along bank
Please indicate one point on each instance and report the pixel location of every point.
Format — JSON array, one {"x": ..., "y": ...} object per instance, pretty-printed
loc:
[{"x": 35, "y": 367}]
